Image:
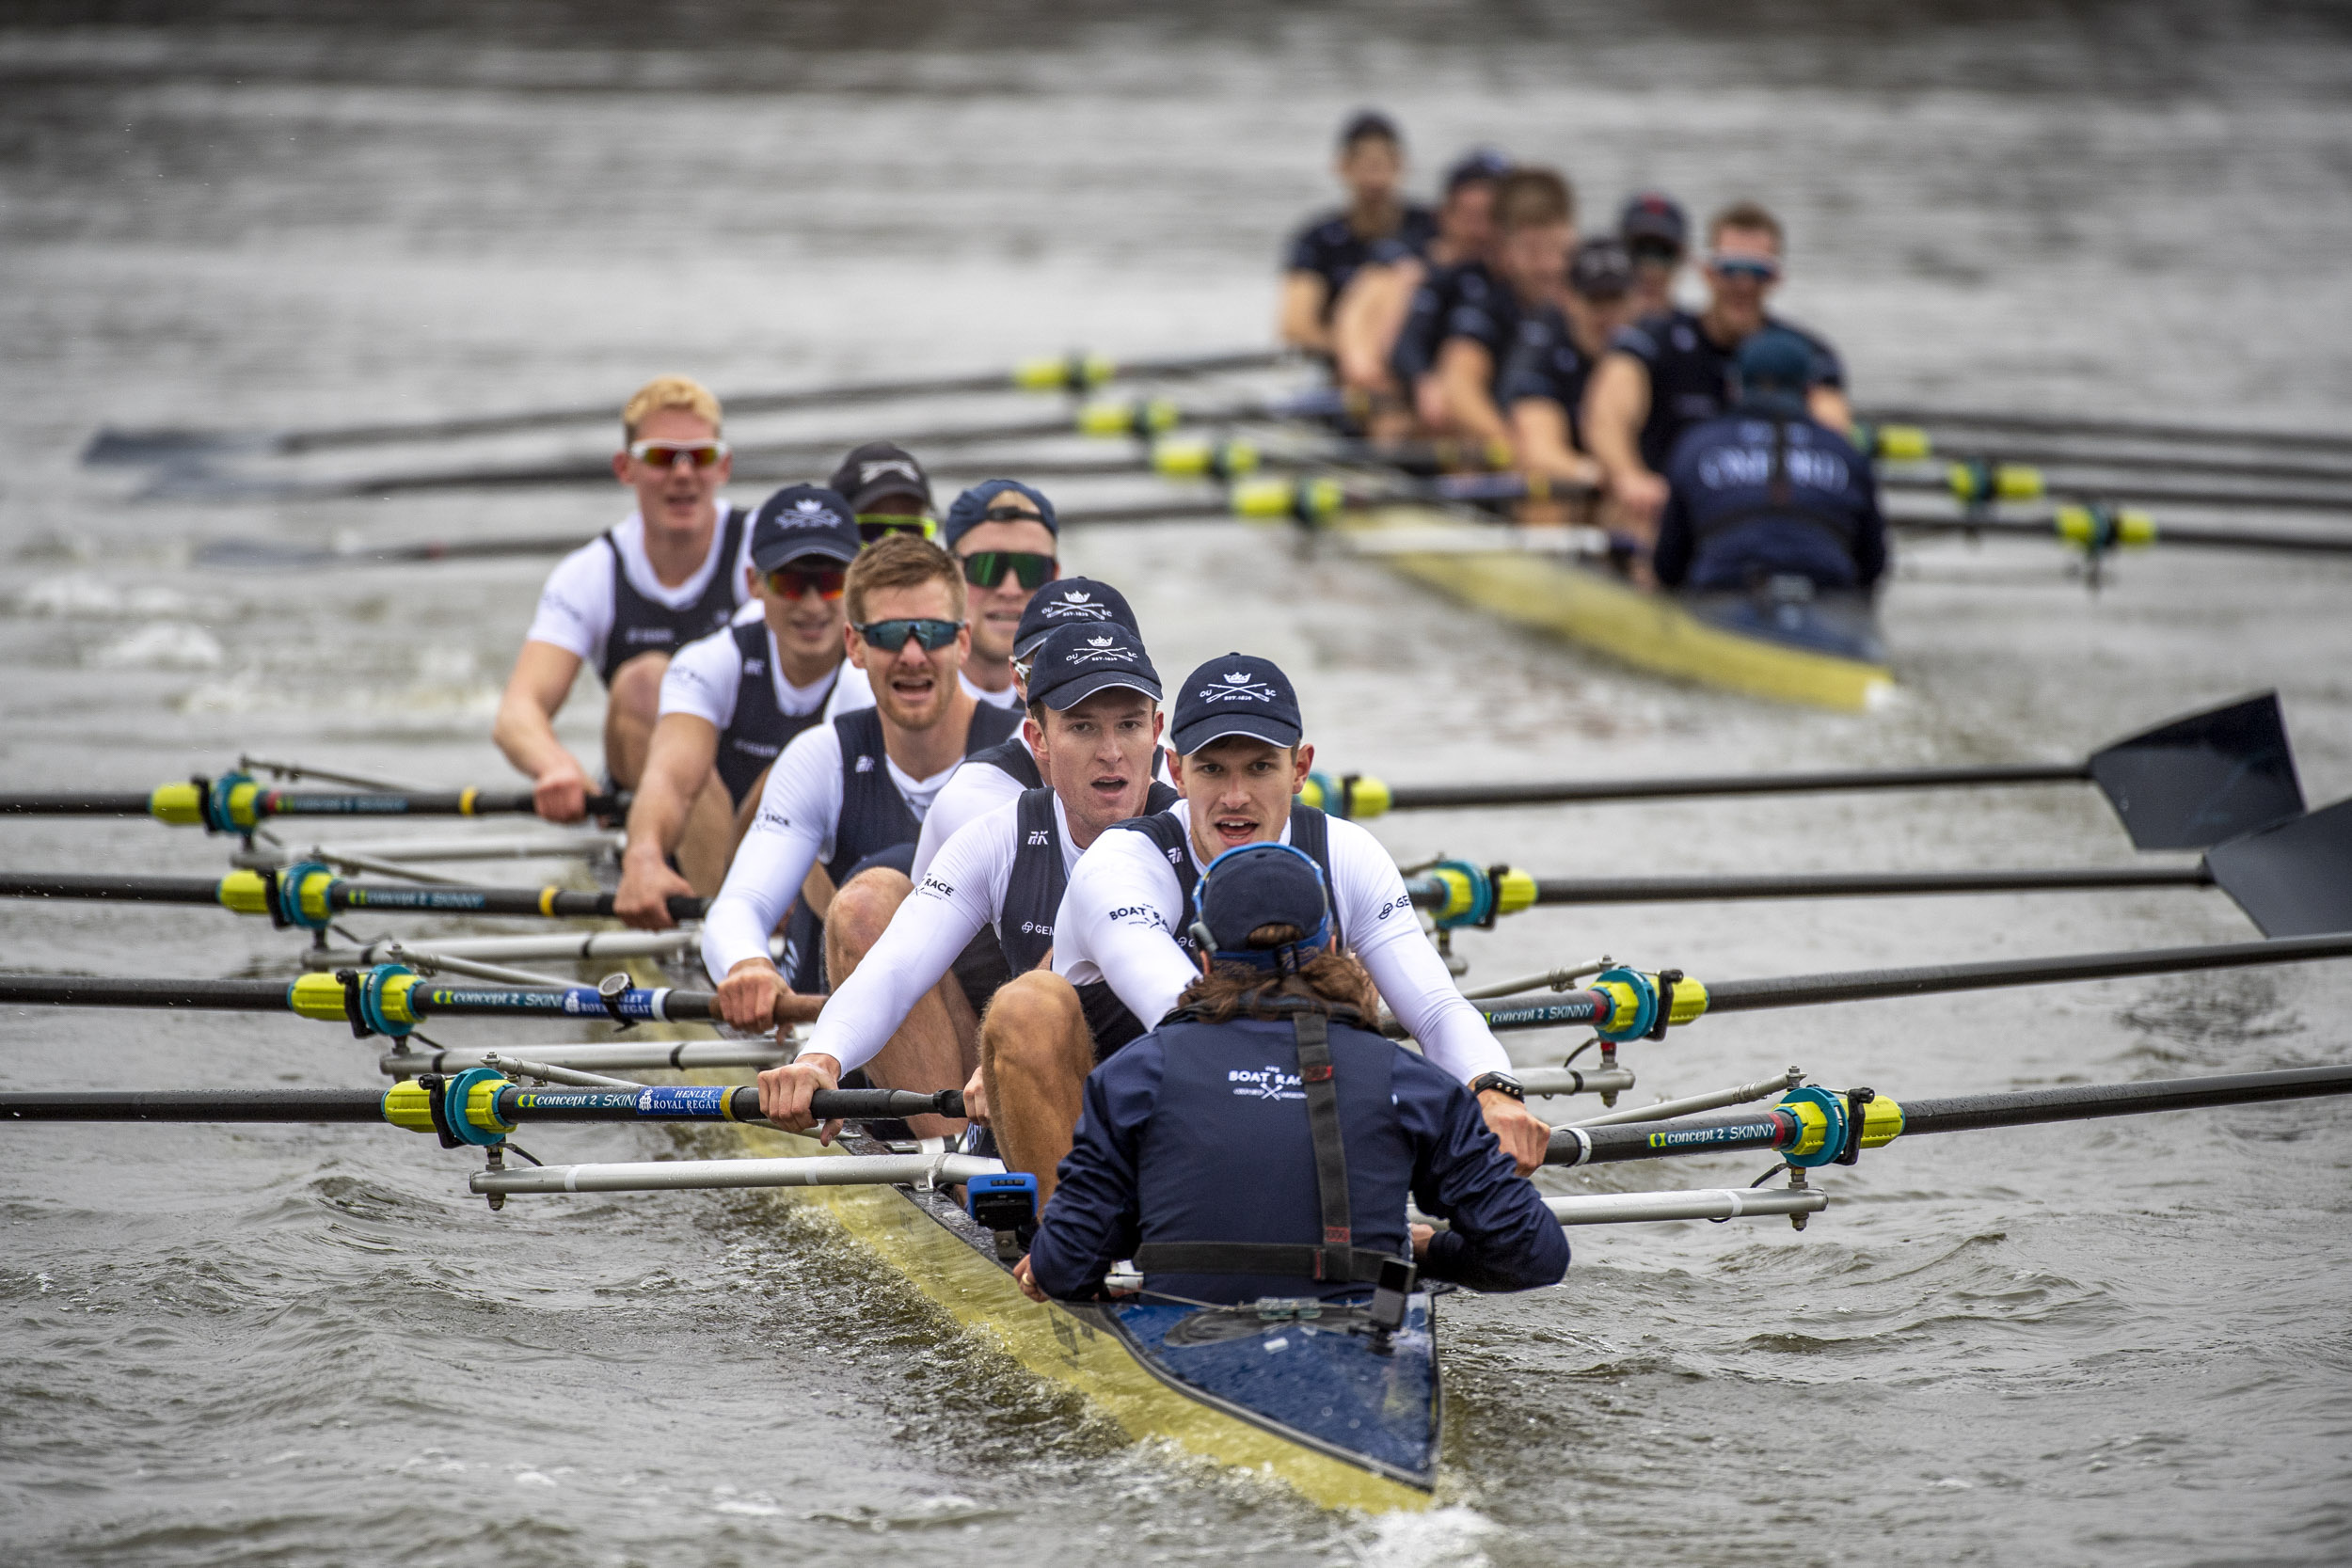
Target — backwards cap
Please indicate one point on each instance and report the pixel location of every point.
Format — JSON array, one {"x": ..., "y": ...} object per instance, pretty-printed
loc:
[{"x": 1262, "y": 884}]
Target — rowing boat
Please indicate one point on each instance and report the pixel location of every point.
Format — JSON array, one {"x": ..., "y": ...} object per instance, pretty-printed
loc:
[{"x": 1815, "y": 653}]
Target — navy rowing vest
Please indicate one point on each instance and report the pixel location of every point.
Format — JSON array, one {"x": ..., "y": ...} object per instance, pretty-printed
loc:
[
  {"x": 643, "y": 625},
  {"x": 760, "y": 729},
  {"x": 1109, "y": 1020},
  {"x": 1012, "y": 756},
  {"x": 1025, "y": 925},
  {"x": 874, "y": 815}
]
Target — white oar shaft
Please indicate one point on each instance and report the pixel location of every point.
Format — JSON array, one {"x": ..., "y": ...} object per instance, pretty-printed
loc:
[
  {"x": 1544, "y": 1081},
  {"x": 1738, "y": 1095},
  {"x": 1709, "y": 1203},
  {"x": 640, "y": 1056},
  {"x": 660, "y": 1176},
  {"x": 458, "y": 847},
  {"x": 432, "y": 958},
  {"x": 553, "y": 945},
  {"x": 548, "y": 1072}
]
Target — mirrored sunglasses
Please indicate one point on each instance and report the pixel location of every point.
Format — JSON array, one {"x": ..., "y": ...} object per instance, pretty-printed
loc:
[
  {"x": 987, "y": 568},
  {"x": 1761, "y": 268},
  {"x": 665, "y": 454},
  {"x": 873, "y": 526},
  {"x": 891, "y": 636},
  {"x": 792, "y": 582}
]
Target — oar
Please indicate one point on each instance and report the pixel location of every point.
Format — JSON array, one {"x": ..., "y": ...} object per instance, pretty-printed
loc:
[
  {"x": 2004, "y": 460},
  {"x": 1073, "y": 372},
  {"x": 1141, "y": 418},
  {"x": 478, "y": 1099},
  {"x": 309, "y": 896},
  {"x": 2097, "y": 530},
  {"x": 1626, "y": 1004},
  {"x": 1970, "y": 482},
  {"x": 234, "y": 803},
  {"x": 2158, "y": 431},
  {"x": 2188, "y": 783},
  {"x": 389, "y": 999},
  {"x": 1814, "y": 1127}
]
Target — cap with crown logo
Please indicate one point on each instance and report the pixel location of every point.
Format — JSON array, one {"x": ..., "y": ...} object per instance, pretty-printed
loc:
[
  {"x": 1074, "y": 663},
  {"x": 802, "y": 520},
  {"x": 1067, "y": 601},
  {"x": 1237, "y": 694}
]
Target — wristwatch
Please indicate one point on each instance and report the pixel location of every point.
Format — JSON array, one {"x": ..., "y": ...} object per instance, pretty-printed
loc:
[{"x": 1502, "y": 1081}]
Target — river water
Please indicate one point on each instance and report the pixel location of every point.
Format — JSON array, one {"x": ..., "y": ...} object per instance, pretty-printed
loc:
[{"x": 2119, "y": 1341}]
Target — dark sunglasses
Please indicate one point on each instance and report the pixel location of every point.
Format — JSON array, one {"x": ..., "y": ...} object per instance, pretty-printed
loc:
[
  {"x": 665, "y": 454},
  {"x": 1762, "y": 268},
  {"x": 792, "y": 582},
  {"x": 987, "y": 568},
  {"x": 873, "y": 526},
  {"x": 890, "y": 636}
]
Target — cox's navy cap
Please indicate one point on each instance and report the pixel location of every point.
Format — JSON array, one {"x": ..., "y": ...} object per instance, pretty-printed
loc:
[
  {"x": 1600, "y": 269},
  {"x": 1263, "y": 884},
  {"x": 803, "y": 519},
  {"x": 1069, "y": 601},
  {"x": 1238, "y": 695},
  {"x": 1075, "y": 663},
  {"x": 1655, "y": 215},
  {"x": 1479, "y": 163},
  {"x": 971, "y": 509},
  {"x": 878, "y": 471}
]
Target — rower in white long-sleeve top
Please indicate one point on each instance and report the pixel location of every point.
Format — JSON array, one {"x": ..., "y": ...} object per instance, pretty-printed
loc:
[{"x": 1094, "y": 722}]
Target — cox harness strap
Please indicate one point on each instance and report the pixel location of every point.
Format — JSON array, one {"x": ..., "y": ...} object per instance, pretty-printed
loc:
[{"x": 1337, "y": 1259}]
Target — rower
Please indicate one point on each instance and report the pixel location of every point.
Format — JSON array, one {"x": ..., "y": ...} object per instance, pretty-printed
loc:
[
  {"x": 1668, "y": 373},
  {"x": 1001, "y": 772},
  {"x": 852, "y": 794},
  {"x": 1658, "y": 237},
  {"x": 1122, "y": 942},
  {"x": 1400, "y": 285},
  {"x": 1543, "y": 386},
  {"x": 1536, "y": 214},
  {"x": 670, "y": 572},
  {"x": 732, "y": 701},
  {"x": 1263, "y": 1140},
  {"x": 886, "y": 489},
  {"x": 1005, "y": 537},
  {"x": 1093, "y": 713},
  {"x": 1327, "y": 253},
  {"x": 1768, "y": 493}
]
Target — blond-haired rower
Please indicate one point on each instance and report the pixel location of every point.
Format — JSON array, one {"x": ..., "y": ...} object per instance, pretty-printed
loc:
[{"x": 672, "y": 571}]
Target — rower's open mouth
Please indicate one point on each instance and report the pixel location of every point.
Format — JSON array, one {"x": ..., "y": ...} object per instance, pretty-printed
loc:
[
  {"x": 1234, "y": 830},
  {"x": 1110, "y": 786},
  {"x": 914, "y": 687}
]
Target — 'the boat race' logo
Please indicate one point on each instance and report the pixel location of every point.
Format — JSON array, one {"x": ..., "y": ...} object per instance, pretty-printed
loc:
[
  {"x": 1265, "y": 1083},
  {"x": 1237, "y": 686}
]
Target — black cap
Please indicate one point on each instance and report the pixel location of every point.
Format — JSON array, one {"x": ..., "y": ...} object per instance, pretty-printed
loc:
[
  {"x": 1067, "y": 601},
  {"x": 1237, "y": 694},
  {"x": 1075, "y": 663},
  {"x": 1600, "y": 269},
  {"x": 1479, "y": 163},
  {"x": 1655, "y": 215},
  {"x": 1364, "y": 124},
  {"x": 803, "y": 519},
  {"x": 1263, "y": 884},
  {"x": 880, "y": 470}
]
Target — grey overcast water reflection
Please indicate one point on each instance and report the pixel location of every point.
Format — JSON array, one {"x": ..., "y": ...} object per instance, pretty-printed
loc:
[{"x": 2117, "y": 1341}]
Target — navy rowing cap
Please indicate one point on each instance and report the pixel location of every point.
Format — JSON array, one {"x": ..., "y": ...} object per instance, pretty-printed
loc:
[
  {"x": 1075, "y": 663},
  {"x": 880, "y": 471},
  {"x": 1067, "y": 601},
  {"x": 969, "y": 510},
  {"x": 1655, "y": 215},
  {"x": 803, "y": 519},
  {"x": 1263, "y": 884},
  {"x": 1479, "y": 163},
  {"x": 1237, "y": 694},
  {"x": 1773, "y": 369},
  {"x": 1600, "y": 269}
]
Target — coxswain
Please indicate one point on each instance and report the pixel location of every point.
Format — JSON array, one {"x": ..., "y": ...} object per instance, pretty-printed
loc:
[
  {"x": 1327, "y": 253},
  {"x": 1005, "y": 769},
  {"x": 1543, "y": 385},
  {"x": 1005, "y": 537},
  {"x": 1094, "y": 722},
  {"x": 1262, "y": 1141},
  {"x": 1122, "y": 941},
  {"x": 1368, "y": 351},
  {"x": 672, "y": 571},
  {"x": 849, "y": 796},
  {"x": 1769, "y": 493},
  {"x": 1535, "y": 214},
  {"x": 1658, "y": 236},
  {"x": 1668, "y": 373},
  {"x": 732, "y": 701}
]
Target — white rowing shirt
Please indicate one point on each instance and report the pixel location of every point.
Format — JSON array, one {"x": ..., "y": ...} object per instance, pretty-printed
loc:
[
  {"x": 576, "y": 607},
  {"x": 975, "y": 791},
  {"x": 706, "y": 676},
  {"x": 1118, "y": 918},
  {"x": 962, "y": 892}
]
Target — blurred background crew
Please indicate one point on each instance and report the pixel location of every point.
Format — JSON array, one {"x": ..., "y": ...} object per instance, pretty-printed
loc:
[
  {"x": 1658, "y": 237},
  {"x": 1535, "y": 214},
  {"x": 672, "y": 570},
  {"x": 1668, "y": 373},
  {"x": 1543, "y": 386},
  {"x": 1328, "y": 252}
]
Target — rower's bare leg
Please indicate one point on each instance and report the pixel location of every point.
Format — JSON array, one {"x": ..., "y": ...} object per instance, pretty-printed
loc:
[
  {"x": 708, "y": 843},
  {"x": 630, "y": 710},
  {"x": 1035, "y": 1054},
  {"x": 937, "y": 1046}
]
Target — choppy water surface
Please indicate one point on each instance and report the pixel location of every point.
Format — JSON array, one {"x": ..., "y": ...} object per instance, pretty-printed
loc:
[{"x": 2120, "y": 1342}]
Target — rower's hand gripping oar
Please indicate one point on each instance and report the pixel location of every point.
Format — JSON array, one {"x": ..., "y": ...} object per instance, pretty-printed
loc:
[{"x": 235, "y": 803}]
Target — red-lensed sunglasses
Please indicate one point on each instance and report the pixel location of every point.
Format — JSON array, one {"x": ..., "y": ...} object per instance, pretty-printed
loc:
[
  {"x": 665, "y": 454},
  {"x": 792, "y": 582}
]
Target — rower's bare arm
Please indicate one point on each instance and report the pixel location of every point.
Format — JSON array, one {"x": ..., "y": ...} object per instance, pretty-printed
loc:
[
  {"x": 1303, "y": 294},
  {"x": 1616, "y": 405},
  {"x": 678, "y": 763},
  {"x": 525, "y": 730},
  {"x": 1828, "y": 404},
  {"x": 1539, "y": 428},
  {"x": 1466, "y": 372},
  {"x": 1364, "y": 324}
]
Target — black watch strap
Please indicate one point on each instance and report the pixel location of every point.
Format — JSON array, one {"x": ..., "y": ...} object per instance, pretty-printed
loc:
[{"x": 1502, "y": 1081}]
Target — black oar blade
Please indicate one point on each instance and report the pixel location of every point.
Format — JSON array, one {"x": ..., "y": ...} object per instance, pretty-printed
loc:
[
  {"x": 2295, "y": 879},
  {"x": 2203, "y": 780}
]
